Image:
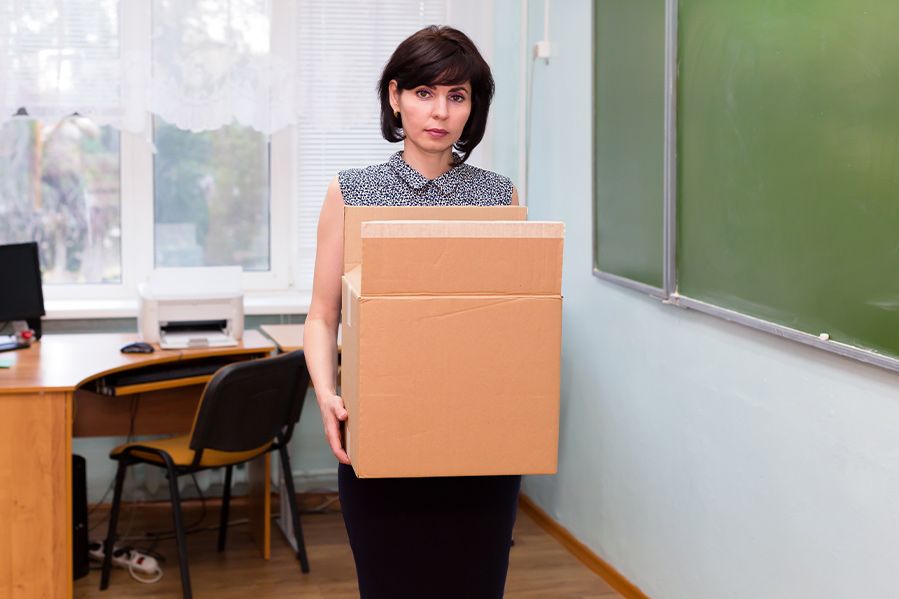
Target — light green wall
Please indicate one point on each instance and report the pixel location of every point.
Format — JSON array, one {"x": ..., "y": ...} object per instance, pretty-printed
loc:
[
  {"x": 700, "y": 458},
  {"x": 505, "y": 112}
]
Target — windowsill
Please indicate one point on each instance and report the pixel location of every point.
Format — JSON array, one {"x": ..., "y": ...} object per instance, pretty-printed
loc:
[{"x": 255, "y": 304}]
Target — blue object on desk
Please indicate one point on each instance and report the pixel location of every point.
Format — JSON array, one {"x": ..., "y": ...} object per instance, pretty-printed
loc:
[{"x": 11, "y": 345}]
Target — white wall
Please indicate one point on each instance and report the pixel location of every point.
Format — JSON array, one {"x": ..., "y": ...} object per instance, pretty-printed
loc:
[{"x": 701, "y": 458}]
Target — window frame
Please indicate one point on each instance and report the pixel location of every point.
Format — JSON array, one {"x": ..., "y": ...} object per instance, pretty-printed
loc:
[
  {"x": 278, "y": 290},
  {"x": 137, "y": 197}
]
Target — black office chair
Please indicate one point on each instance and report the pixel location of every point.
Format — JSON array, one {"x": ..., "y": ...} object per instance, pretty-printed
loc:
[{"x": 247, "y": 409}]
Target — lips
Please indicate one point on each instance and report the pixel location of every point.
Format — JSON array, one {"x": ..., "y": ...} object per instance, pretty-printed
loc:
[{"x": 436, "y": 132}]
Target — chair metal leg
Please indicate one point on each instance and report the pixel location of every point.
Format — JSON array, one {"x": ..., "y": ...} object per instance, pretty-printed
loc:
[
  {"x": 294, "y": 511},
  {"x": 113, "y": 522},
  {"x": 179, "y": 528},
  {"x": 226, "y": 501}
]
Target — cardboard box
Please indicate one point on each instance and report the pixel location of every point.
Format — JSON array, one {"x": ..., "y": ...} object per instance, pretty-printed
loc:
[
  {"x": 354, "y": 216},
  {"x": 451, "y": 344}
]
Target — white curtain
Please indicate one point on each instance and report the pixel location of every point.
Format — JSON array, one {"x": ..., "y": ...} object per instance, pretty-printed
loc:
[
  {"x": 341, "y": 48},
  {"x": 59, "y": 57},
  {"x": 215, "y": 61},
  {"x": 198, "y": 65},
  {"x": 202, "y": 64}
]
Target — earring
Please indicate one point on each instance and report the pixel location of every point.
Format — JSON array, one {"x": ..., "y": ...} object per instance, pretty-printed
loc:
[{"x": 396, "y": 114}]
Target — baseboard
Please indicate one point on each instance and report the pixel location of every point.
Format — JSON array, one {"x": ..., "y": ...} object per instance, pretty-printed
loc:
[
  {"x": 312, "y": 502},
  {"x": 613, "y": 577},
  {"x": 322, "y": 480}
]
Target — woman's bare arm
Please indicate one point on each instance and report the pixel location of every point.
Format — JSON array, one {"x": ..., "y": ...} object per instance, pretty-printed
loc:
[{"x": 320, "y": 331}]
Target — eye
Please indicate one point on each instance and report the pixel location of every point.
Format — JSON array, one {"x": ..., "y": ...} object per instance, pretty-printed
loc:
[
  {"x": 458, "y": 98},
  {"x": 423, "y": 93}
]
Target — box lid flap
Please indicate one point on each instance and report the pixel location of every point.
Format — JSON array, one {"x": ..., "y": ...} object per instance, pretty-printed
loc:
[
  {"x": 354, "y": 216},
  {"x": 461, "y": 258},
  {"x": 465, "y": 228}
]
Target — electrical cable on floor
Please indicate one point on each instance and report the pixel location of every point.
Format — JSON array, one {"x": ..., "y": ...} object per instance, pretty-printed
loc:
[
  {"x": 169, "y": 534},
  {"x": 323, "y": 507},
  {"x": 132, "y": 416},
  {"x": 192, "y": 528},
  {"x": 100, "y": 502}
]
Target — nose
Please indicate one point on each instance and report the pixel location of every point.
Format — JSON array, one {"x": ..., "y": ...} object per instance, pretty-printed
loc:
[{"x": 440, "y": 107}]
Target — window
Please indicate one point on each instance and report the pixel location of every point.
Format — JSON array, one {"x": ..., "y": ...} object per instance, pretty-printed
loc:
[
  {"x": 211, "y": 204},
  {"x": 108, "y": 206},
  {"x": 59, "y": 186}
]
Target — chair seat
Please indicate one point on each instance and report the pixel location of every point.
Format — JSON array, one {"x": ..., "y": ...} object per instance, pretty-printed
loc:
[{"x": 182, "y": 455}]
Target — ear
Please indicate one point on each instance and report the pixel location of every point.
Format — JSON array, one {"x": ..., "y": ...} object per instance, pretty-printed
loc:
[{"x": 394, "y": 93}]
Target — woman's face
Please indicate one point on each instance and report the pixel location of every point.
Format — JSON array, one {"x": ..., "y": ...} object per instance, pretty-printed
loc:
[{"x": 433, "y": 116}]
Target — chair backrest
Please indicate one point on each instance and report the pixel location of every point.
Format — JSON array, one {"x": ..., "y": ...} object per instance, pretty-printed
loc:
[{"x": 248, "y": 404}]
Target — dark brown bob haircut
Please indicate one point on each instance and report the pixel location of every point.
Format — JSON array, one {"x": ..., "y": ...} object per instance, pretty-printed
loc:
[{"x": 438, "y": 56}]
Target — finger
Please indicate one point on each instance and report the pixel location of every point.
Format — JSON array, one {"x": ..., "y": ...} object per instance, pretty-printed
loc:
[
  {"x": 332, "y": 432},
  {"x": 339, "y": 409}
]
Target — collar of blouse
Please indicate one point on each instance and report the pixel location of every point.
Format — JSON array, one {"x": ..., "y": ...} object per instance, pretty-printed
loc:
[{"x": 446, "y": 182}]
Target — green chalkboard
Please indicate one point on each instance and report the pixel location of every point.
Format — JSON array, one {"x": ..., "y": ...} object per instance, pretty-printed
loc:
[
  {"x": 629, "y": 107},
  {"x": 788, "y": 163}
]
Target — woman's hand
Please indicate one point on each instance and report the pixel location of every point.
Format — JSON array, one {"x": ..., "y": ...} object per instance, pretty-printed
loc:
[
  {"x": 333, "y": 414},
  {"x": 320, "y": 330}
]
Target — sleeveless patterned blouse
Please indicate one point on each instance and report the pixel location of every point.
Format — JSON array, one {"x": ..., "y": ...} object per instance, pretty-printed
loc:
[{"x": 395, "y": 183}]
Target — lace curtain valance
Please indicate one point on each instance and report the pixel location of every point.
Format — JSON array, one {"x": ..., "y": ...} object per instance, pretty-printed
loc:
[{"x": 198, "y": 65}]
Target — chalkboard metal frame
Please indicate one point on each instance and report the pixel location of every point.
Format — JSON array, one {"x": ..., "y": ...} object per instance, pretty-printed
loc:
[
  {"x": 657, "y": 292},
  {"x": 842, "y": 349},
  {"x": 669, "y": 202},
  {"x": 669, "y": 175},
  {"x": 674, "y": 298},
  {"x": 669, "y": 293}
]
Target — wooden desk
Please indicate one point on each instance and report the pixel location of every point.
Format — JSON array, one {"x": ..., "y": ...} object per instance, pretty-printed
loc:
[
  {"x": 39, "y": 397},
  {"x": 289, "y": 337}
]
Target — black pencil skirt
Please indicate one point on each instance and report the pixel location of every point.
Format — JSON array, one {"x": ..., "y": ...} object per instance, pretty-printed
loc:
[{"x": 429, "y": 538}]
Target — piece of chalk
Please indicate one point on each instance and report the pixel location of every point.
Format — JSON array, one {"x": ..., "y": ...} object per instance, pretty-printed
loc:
[{"x": 824, "y": 337}]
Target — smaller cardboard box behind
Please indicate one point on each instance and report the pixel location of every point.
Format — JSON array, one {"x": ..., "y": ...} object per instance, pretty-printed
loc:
[{"x": 451, "y": 341}]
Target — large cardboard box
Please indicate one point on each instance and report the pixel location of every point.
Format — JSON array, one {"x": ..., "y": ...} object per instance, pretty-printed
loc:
[{"x": 451, "y": 342}]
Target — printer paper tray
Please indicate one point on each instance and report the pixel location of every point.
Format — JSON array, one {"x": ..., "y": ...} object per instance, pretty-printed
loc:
[{"x": 187, "y": 340}]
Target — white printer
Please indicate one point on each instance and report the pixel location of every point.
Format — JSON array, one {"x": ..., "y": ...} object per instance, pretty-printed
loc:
[{"x": 191, "y": 307}]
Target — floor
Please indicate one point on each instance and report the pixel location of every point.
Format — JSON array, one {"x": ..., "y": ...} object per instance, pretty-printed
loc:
[{"x": 539, "y": 566}]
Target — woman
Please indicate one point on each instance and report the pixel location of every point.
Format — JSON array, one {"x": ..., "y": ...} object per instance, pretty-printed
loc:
[{"x": 432, "y": 537}]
